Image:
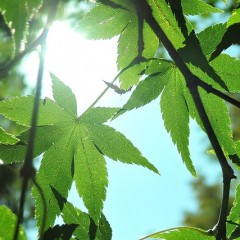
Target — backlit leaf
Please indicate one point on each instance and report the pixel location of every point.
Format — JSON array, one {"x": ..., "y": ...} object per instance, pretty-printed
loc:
[
  {"x": 7, "y": 138},
  {"x": 90, "y": 176},
  {"x": 73, "y": 215},
  {"x": 16, "y": 15},
  {"x": 175, "y": 116},
  {"x": 182, "y": 233},
  {"x": 164, "y": 16},
  {"x": 234, "y": 213},
  {"x": 7, "y": 224},
  {"x": 64, "y": 96},
  {"x": 104, "y": 21},
  {"x": 117, "y": 147},
  {"x": 235, "y": 17},
  {"x": 196, "y": 7},
  {"x": 151, "y": 87}
]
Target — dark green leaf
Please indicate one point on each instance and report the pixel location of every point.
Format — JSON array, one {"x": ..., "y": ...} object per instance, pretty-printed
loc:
[
  {"x": 73, "y": 215},
  {"x": 63, "y": 232}
]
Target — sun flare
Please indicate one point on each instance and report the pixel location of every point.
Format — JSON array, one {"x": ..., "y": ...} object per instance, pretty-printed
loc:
[{"x": 80, "y": 63}]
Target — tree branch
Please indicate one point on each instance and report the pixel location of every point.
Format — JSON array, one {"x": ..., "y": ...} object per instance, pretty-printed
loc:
[{"x": 193, "y": 82}]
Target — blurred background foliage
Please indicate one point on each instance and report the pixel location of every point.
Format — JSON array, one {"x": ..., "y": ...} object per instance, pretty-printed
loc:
[{"x": 13, "y": 83}]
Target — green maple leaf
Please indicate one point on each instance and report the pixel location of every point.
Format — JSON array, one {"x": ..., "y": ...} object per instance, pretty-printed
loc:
[
  {"x": 7, "y": 138},
  {"x": 16, "y": 15},
  {"x": 196, "y": 7},
  {"x": 210, "y": 37},
  {"x": 234, "y": 214},
  {"x": 176, "y": 117},
  {"x": 182, "y": 233},
  {"x": 74, "y": 149},
  {"x": 165, "y": 78},
  {"x": 136, "y": 38},
  {"x": 165, "y": 18},
  {"x": 73, "y": 215},
  {"x": 7, "y": 224}
]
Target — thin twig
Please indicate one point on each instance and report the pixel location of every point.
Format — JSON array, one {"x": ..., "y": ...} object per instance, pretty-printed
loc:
[
  {"x": 28, "y": 171},
  {"x": 112, "y": 82}
]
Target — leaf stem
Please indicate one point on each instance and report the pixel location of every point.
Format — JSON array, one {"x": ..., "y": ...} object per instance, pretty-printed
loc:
[{"x": 106, "y": 89}]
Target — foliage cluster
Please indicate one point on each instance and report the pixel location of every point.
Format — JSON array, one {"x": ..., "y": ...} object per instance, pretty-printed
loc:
[{"x": 195, "y": 81}]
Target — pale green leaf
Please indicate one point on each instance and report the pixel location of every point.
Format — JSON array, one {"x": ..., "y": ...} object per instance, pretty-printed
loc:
[
  {"x": 135, "y": 45},
  {"x": 117, "y": 147},
  {"x": 196, "y": 7},
  {"x": 182, "y": 233},
  {"x": 234, "y": 213},
  {"x": 19, "y": 109},
  {"x": 176, "y": 117},
  {"x": 151, "y": 42},
  {"x": 131, "y": 75},
  {"x": 217, "y": 112},
  {"x": 64, "y": 96},
  {"x": 90, "y": 174},
  {"x": 7, "y": 138},
  {"x": 12, "y": 153},
  {"x": 72, "y": 214},
  {"x": 164, "y": 16},
  {"x": 7, "y": 225},
  {"x": 16, "y": 15},
  {"x": 235, "y": 17},
  {"x": 128, "y": 44},
  {"x": 210, "y": 37},
  {"x": 104, "y": 21},
  {"x": 151, "y": 87},
  {"x": 228, "y": 68},
  {"x": 55, "y": 178},
  {"x": 98, "y": 114}
]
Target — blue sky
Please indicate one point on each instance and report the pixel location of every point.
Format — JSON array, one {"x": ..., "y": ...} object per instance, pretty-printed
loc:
[{"x": 138, "y": 201}]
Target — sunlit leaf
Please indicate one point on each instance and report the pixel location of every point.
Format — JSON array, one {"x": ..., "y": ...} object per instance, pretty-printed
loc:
[
  {"x": 182, "y": 233},
  {"x": 196, "y": 7},
  {"x": 7, "y": 224},
  {"x": 234, "y": 214},
  {"x": 235, "y": 17},
  {"x": 7, "y": 138},
  {"x": 16, "y": 15},
  {"x": 72, "y": 150},
  {"x": 73, "y": 215},
  {"x": 175, "y": 116},
  {"x": 163, "y": 15},
  {"x": 65, "y": 99}
]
